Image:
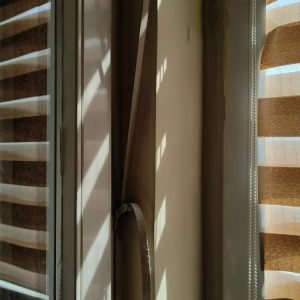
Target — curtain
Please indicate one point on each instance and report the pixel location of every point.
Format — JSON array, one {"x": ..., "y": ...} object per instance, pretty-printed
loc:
[
  {"x": 24, "y": 105},
  {"x": 140, "y": 185},
  {"x": 279, "y": 151}
]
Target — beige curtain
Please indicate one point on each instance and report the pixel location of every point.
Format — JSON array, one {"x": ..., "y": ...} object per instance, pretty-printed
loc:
[
  {"x": 24, "y": 102},
  {"x": 279, "y": 151}
]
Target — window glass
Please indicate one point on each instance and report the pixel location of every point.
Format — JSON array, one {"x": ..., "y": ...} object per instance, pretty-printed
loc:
[{"x": 24, "y": 148}]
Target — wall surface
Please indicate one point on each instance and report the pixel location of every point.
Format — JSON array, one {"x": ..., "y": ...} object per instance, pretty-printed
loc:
[{"x": 178, "y": 156}]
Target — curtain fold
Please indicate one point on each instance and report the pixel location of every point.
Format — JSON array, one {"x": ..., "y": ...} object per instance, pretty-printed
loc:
[
  {"x": 140, "y": 187},
  {"x": 279, "y": 151}
]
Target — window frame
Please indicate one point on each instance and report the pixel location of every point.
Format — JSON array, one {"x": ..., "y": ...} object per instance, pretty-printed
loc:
[{"x": 225, "y": 171}]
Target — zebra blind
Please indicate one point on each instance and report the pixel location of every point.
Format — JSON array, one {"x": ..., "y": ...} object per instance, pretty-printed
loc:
[
  {"x": 279, "y": 151},
  {"x": 24, "y": 107}
]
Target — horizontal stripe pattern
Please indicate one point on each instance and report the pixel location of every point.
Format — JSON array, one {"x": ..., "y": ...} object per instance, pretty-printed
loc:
[
  {"x": 15, "y": 8},
  {"x": 279, "y": 186},
  {"x": 278, "y": 152},
  {"x": 25, "y": 216},
  {"x": 277, "y": 219},
  {"x": 279, "y": 116},
  {"x": 32, "y": 129},
  {"x": 34, "y": 39},
  {"x": 24, "y": 107},
  {"x": 281, "y": 285},
  {"x": 24, "y": 195},
  {"x": 24, "y": 86},
  {"x": 281, "y": 252},
  {"x": 22, "y": 237},
  {"x": 281, "y": 81},
  {"x": 24, "y": 173},
  {"x": 26, "y": 20},
  {"x": 23, "y": 277},
  {"x": 283, "y": 15},
  {"x": 31, "y": 151},
  {"x": 32, "y": 62},
  {"x": 30, "y": 259},
  {"x": 282, "y": 46}
]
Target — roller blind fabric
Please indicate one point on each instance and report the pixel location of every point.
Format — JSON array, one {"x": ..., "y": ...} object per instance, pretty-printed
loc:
[
  {"x": 24, "y": 106},
  {"x": 279, "y": 151}
]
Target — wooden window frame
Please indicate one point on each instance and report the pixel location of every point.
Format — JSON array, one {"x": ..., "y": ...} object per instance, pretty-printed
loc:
[{"x": 225, "y": 169}]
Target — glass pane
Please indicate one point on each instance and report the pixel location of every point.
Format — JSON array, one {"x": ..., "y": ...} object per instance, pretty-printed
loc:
[{"x": 24, "y": 148}]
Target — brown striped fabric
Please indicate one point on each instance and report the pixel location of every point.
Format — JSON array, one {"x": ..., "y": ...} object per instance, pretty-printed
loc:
[
  {"x": 33, "y": 129},
  {"x": 23, "y": 173},
  {"x": 29, "y": 259},
  {"x": 24, "y": 86},
  {"x": 25, "y": 216},
  {"x": 23, "y": 148},
  {"x": 13, "y": 8},
  {"x": 278, "y": 131},
  {"x": 279, "y": 186},
  {"x": 279, "y": 117},
  {"x": 281, "y": 252},
  {"x": 34, "y": 39},
  {"x": 282, "y": 46}
]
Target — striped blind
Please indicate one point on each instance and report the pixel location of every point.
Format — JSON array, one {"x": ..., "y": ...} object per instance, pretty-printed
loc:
[
  {"x": 24, "y": 106},
  {"x": 279, "y": 151}
]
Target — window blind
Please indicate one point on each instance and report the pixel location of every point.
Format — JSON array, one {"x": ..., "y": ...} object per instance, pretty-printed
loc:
[
  {"x": 279, "y": 151},
  {"x": 24, "y": 106}
]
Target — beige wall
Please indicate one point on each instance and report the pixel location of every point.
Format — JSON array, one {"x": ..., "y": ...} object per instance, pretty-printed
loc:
[{"x": 178, "y": 157}]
